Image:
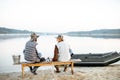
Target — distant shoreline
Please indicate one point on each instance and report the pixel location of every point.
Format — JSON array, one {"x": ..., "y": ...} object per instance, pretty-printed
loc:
[
  {"x": 9, "y": 36},
  {"x": 96, "y": 35},
  {"x": 101, "y": 33},
  {"x": 105, "y": 36}
]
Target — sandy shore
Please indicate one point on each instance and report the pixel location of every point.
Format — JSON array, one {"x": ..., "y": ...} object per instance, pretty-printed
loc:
[{"x": 111, "y": 72}]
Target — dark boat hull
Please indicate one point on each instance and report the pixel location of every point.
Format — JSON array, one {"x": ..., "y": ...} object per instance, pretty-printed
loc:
[{"x": 96, "y": 59}]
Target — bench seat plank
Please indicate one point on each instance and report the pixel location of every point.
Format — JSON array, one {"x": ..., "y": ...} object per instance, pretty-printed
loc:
[{"x": 25, "y": 64}]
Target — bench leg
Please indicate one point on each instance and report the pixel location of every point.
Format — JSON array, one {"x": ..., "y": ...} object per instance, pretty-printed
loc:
[
  {"x": 22, "y": 71},
  {"x": 72, "y": 65}
]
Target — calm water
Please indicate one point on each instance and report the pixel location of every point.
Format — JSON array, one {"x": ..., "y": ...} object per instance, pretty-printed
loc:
[{"x": 10, "y": 46}]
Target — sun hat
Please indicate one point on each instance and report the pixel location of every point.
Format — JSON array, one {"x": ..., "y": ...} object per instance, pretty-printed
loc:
[
  {"x": 60, "y": 36},
  {"x": 34, "y": 35}
]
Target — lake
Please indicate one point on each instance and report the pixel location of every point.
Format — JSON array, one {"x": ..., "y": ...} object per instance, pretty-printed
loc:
[{"x": 80, "y": 45}]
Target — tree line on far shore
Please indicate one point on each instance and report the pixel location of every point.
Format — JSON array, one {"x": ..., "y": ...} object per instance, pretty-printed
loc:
[{"x": 106, "y": 33}]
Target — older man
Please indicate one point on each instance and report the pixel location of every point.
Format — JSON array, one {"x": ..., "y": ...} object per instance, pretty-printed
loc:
[
  {"x": 62, "y": 52},
  {"x": 31, "y": 54}
]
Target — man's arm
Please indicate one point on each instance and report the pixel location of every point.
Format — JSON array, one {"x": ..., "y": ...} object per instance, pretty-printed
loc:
[{"x": 55, "y": 58}]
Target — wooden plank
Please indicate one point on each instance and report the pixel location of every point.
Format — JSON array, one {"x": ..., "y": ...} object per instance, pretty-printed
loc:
[{"x": 25, "y": 64}]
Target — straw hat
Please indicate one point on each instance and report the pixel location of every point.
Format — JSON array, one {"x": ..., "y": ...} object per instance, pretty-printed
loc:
[{"x": 34, "y": 35}]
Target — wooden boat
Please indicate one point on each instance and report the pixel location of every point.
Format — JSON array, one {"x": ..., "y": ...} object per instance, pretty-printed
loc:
[{"x": 98, "y": 59}]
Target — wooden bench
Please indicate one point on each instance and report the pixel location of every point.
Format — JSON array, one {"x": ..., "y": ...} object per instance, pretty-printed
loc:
[{"x": 26, "y": 64}]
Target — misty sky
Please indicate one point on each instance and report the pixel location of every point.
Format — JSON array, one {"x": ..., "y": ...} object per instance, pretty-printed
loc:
[{"x": 60, "y": 15}]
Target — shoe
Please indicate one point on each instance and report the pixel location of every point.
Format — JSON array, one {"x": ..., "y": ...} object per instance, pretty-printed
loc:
[
  {"x": 34, "y": 72},
  {"x": 57, "y": 71}
]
